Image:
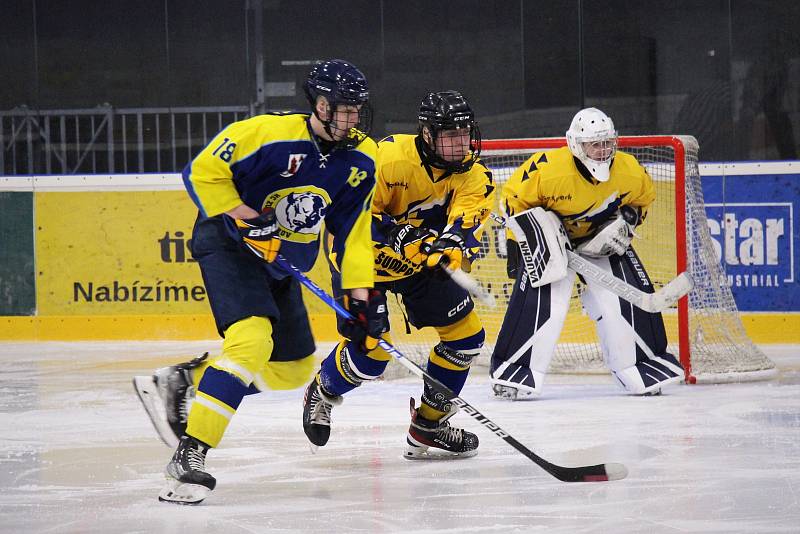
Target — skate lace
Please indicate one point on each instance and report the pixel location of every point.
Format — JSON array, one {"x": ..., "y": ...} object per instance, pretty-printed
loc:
[
  {"x": 449, "y": 434},
  {"x": 196, "y": 459},
  {"x": 320, "y": 410}
]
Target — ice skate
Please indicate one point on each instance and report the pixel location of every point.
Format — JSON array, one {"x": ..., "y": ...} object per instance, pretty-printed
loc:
[
  {"x": 438, "y": 440},
  {"x": 187, "y": 479},
  {"x": 317, "y": 406},
  {"x": 166, "y": 395}
]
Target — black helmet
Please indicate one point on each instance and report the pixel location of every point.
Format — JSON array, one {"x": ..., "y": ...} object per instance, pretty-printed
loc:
[
  {"x": 341, "y": 83},
  {"x": 447, "y": 110}
]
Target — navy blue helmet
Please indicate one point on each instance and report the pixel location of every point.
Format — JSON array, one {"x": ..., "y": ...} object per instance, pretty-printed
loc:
[
  {"x": 448, "y": 110},
  {"x": 338, "y": 81},
  {"x": 341, "y": 83}
]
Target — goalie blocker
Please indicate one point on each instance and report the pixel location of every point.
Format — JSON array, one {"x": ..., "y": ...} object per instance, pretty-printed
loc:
[{"x": 633, "y": 341}]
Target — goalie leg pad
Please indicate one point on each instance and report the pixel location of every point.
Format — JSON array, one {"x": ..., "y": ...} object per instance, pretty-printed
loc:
[
  {"x": 542, "y": 244},
  {"x": 670, "y": 362},
  {"x": 634, "y": 342},
  {"x": 528, "y": 336},
  {"x": 647, "y": 377}
]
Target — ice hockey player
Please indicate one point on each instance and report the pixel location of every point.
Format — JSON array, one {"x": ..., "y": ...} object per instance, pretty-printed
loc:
[
  {"x": 264, "y": 184},
  {"x": 599, "y": 195},
  {"x": 432, "y": 198}
]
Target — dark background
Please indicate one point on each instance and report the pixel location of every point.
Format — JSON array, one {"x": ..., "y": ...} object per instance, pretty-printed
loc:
[{"x": 725, "y": 71}]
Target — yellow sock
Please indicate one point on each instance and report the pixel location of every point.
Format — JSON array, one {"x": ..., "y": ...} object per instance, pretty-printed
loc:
[
  {"x": 431, "y": 414},
  {"x": 208, "y": 419}
]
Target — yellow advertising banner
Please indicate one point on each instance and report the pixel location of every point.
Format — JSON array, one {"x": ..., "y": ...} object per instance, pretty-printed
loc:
[
  {"x": 117, "y": 265},
  {"x": 116, "y": 253},
  {"x": 126, "y": 253},
  {"x": 122, "y": 253}
]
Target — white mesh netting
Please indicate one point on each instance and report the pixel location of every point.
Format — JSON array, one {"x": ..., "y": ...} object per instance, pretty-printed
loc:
[{"x": 719, "y": 347}]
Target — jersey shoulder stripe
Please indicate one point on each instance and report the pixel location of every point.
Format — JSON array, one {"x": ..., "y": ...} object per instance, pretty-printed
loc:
[{"x": 254, "y": 133}]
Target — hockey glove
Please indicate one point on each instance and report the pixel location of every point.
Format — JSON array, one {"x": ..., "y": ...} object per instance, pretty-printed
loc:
[
  {"x": 446, "y": 251},
  {"x": 260, "y": 234},
  {"x": 370, "y": 319},
  {"x": 410, "y": 242}
]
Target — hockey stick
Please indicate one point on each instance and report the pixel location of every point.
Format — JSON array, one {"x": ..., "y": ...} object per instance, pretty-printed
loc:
[
  {"x": 588, "y": 473},
  {"x": 466, "y": 282},
  {"x": 471, "y": 285},
  {"x": 655, "y": 302}
]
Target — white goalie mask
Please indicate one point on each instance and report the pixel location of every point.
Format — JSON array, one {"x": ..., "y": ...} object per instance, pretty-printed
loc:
[{"x": 593, "y": 140}]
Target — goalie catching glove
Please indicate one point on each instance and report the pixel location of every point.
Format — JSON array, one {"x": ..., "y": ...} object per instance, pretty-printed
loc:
[
  {"x": 370, "y": 319},
  {"x": 260, "y": 234},
  {"x": 411, "y": 242},
  {"x": 614, "y": 237}
]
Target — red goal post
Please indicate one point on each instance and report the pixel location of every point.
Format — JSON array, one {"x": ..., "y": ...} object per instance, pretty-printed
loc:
[{"x": 705, "y": 328}]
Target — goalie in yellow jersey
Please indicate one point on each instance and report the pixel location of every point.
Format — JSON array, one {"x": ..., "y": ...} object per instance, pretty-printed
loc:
[
  {"x": 599, "y": 195},
  {"x": 432, "y": 198}
]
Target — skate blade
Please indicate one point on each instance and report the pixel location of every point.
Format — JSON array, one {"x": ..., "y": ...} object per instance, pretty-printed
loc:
[
  {"x": 145, "y": 388},
  {"x": 177, "y": 492},
  {"x": 313, "y": 448},
  {"x": 437, "y": 454}
]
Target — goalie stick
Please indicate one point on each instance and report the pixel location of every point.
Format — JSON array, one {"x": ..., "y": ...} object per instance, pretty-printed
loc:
[
  {"x": 588, "y": 473},
  {"x": 655, "y": 302}
]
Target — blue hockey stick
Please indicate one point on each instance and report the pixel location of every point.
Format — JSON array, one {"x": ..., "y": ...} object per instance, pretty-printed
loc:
[{"x": 588, "y": 473}]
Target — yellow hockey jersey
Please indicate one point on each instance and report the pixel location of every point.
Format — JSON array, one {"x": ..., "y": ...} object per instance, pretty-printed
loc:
[
  {"x": 554, "y": 181},
  {"x": 274, "y": 161},
  {"x": 408, "y": 191}
]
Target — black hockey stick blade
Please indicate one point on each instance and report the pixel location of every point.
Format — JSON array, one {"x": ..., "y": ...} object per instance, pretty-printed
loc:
[{"x": 586, "y": 473}]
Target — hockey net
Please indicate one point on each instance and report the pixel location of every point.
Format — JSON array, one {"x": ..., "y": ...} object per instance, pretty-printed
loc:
[{"x": 704, "y": 329}]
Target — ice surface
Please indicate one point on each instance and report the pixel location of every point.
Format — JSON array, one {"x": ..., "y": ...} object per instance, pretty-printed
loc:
[{"x": 78, "y": 454}]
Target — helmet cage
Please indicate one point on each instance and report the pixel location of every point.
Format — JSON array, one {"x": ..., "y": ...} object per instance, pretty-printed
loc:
[
  {"x": 591, "y": 134},
  {"x": 341, "y": 84},
  {"x": 444, "y": 111}
]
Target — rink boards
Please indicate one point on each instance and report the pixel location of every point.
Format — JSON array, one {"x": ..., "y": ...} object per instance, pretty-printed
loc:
[{"x": 106, "y": 257}]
